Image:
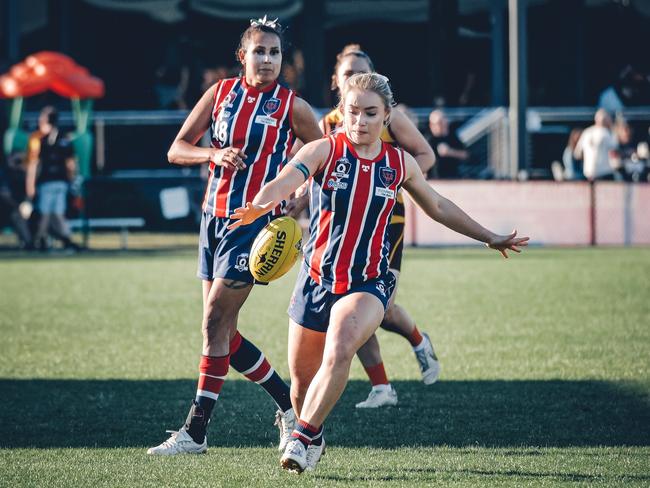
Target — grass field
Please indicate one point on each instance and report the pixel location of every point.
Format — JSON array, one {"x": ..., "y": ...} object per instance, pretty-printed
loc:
[{"x": 546, "y": 375}]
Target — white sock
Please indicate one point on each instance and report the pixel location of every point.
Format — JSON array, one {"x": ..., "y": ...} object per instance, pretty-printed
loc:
[
  {"x": 420, "y": 346},
  {"x": 381, "y": 387}
]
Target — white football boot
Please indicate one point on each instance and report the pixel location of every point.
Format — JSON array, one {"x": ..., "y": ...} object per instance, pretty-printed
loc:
[
  {"x": 286, "y": 422},
  {"x": 179, "y": 442},
  {"x": 314, "y": 453},
  {"x": 383, "y": 397},
  {"x": 426, "y": 356},
  {"x": 294, "y": 458}
]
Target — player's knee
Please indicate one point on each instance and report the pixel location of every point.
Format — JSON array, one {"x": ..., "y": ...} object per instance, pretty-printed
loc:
[
  {"x": 340, "y": 353},
  {"x": 215, "y": 320},
  {"x": 299, "y": 386}
]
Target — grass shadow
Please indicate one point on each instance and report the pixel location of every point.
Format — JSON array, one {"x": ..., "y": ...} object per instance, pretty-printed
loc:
[{"x": 135, "y": 413}]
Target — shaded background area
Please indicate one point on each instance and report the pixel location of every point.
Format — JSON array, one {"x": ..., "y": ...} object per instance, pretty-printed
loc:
[
  {"x": 122, "y": 413},
  {"x": 430, "y": 48}
]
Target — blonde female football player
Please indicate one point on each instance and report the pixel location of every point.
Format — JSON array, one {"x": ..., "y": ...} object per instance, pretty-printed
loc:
[
  {"x": 344, "y": 285},
  {"x": 401, "y": 132},
  {"x": 253, "y": 122}
]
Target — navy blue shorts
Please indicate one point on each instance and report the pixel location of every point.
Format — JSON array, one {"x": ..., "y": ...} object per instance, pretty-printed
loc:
[
  {"x": 311, "y": 303},
  {"x": 223, "y": 253}
]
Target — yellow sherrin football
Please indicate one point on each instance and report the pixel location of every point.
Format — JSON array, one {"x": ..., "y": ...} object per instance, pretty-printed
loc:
[{"x": 275, "y": 249}]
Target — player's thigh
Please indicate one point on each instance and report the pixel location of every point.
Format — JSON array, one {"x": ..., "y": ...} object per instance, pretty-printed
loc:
[
  {"x": 305, "y": 351},
  {"x": 226, "y": 297},
  {"x": 354, "y": 318},
  {"x": 206, "y": 287}
]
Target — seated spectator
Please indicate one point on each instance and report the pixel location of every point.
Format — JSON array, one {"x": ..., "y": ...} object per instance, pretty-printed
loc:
[
  {"x": 596, "y": 148},
  {"x": 449, "y": 150},
  {"x": 570, "y": 168},
  {"x": 630, "y": 166}
]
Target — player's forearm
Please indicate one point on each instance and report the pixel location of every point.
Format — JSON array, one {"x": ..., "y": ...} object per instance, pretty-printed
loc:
[
  {"x": 458, "y": 154},
  {"x": 30, "y": 180},
  {"x": 186, "y": 154},
  {"x": 280, "y": 188},
  {"x": 450, "y": 215}
]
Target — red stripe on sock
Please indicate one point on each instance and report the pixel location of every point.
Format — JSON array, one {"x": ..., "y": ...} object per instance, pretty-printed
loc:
[
  {"x": 235, "y": 343},
  {"x": 377, "y": 374},
  {"x": 213, "y": 366},
  {"x": 415, "y": 338},
  {"x": 305, "y": 425},
  {"x": 299, "y": 435},
  {"x": 260, "y": 372}
]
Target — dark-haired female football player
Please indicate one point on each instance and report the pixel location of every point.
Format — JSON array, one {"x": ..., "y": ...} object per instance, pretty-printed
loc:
[{"x": 253, "y": 121}]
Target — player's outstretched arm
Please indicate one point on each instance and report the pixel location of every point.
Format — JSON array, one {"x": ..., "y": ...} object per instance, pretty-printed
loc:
[
  {"x": 450, "y": 215},
  {"x": 307, "y": 162}
]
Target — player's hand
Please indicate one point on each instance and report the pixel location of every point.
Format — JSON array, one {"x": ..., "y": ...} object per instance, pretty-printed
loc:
[
  {"x": 511, "y": 242},
  {"x": 248, "y": 214},
  {"x": 296, "y": 205},
  {"x": 230, "y": 157},
  {"x": 443, "y": 149},
  {"x": 25, "y": 209}
]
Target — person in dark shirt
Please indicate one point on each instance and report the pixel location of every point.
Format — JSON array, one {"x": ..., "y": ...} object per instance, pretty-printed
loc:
[
  {"x": 50, "y": 168},
  {"x": 10, "y": 198},
  {"x": 449, "y": 150}
]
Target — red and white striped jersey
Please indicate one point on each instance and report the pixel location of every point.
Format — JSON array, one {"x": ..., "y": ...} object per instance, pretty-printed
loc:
[
  {"x": 351, "y": 202},
  {"x": 259, "y": 123}
]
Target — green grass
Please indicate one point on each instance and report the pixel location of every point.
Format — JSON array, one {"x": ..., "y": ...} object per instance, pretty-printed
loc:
[{"x": 546, "y": 376}]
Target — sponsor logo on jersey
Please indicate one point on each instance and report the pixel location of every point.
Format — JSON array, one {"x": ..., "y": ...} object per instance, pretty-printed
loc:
[
  {"x": 264, "y": 120},
  {"x": 242, "y": 263},
  {"x": 365, "y": 168},
  {"x": 271, "y": 106},
  {"x": 387, "y": 176},
  {"x": 250, "y": 99},
  {"x": 384, "y": 192},
  {"x": 336, "y": 185}
]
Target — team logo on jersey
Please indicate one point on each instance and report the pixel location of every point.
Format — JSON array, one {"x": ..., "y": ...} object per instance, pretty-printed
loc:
[
  {"x": 271, "y": 106},
  {"x": 365, "y": 168},
  {"x": 342, "y": 168},
  {"x": 242, "y": 263},
  {"x": 387, "y": 176}
]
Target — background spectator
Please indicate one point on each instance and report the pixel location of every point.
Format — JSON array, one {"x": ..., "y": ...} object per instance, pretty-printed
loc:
[
  {"x": 449, "y": 150},
  {"x": 10, "y": 199},
  {"x": 630, "y": 89},
  {"x": 50, "y": 168},
  {"x": 570, "y": 168},
  {"x": 596, "y": 147}
]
